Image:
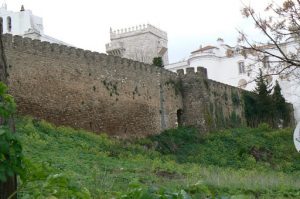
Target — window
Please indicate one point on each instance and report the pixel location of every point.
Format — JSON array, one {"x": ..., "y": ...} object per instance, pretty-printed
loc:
[
  {"x": 241, "y": 67},
  {"x": 266, "y": 62},
  {"x": 9, "y": 24}
]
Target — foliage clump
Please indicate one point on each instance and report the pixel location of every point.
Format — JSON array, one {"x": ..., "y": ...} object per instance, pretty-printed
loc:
[
  {"x": 262, "y": 148},
  {"x": 10, "y": 147},
  {"x": 44, "y": 182},
  {"x": 158, "y": 61},
  {"x": 235, "y": 98},
  {"x": 264, "y": 106},
  {"x": 180, "y": 163}
]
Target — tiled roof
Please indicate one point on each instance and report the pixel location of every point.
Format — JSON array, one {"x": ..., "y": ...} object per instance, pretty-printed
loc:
[{"x": 205, "y": 49}]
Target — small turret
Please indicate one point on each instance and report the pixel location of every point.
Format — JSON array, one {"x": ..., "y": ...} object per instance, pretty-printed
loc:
[{"x": 22, "y": 8}]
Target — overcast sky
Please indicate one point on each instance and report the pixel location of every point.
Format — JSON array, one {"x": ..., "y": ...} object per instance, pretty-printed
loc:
[{"x": 189, "y": 23}]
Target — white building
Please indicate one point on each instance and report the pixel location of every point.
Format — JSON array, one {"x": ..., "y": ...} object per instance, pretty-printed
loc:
[
  {"x": 25, "y": 24},
  {"x": 141, "y": 43},
  {"x": 226, "y": 64}
]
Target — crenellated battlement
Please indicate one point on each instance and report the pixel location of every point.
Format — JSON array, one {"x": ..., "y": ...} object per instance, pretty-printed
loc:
[
  {"x": 91, "y": 90},
  {"x": 133, "y": 30},
  {"x": 200, "y": 72},
  {"x": 107, "y": 93},
  {"x": 142, "y": 43},
  {"x": 57, "y": 51}
]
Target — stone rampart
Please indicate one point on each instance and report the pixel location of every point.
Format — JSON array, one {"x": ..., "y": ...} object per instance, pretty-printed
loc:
[
  {"x": 210, "y": 105},
  {"x": 89, "y": 90},
  {"x": 103, "y": 93}
]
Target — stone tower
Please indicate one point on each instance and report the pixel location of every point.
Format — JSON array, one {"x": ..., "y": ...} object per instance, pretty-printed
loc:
[{"x": 141, "y": 43}]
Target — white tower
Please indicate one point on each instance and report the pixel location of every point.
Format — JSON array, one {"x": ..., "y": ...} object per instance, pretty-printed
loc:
[
  {"x": 20, "y": 23},
  {"x": 24, "y": 23},
  {"x": 140, "y": 43}
]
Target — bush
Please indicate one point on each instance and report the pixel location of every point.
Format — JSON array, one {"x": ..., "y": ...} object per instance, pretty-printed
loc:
[
  {"x": 10, "y": 155},
  {"x": 180, "y": 141},
  {"x": 10, "y": 147},
  {"x": 236, "y": 148}
]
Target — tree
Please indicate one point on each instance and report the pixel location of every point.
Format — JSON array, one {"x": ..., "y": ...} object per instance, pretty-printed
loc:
[
  {"x": 158, "y": 61},
  {"x": 258, "y": 104},
  {"x": 281, "y": 112},
  {"x": 264, "y": 101},
  {"x": 262, "y": 105},
  {"x": 280, "y": 26},
  {"x": 250, "y": 106}
]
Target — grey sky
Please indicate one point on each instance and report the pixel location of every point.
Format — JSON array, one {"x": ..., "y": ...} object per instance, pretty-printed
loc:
[{"x": 189, "y": 23}]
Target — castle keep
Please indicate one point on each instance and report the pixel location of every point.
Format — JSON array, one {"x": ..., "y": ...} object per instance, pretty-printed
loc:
[
  {"x": 105, "y": 93},
  {"x": 141, "y": 43}
]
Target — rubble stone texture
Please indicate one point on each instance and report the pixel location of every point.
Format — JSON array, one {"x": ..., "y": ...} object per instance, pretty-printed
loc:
[{"x": 104, "y": 93}]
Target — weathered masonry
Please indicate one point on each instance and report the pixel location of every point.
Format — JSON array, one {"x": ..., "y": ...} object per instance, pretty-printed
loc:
[{"x": 104, "y": 93}]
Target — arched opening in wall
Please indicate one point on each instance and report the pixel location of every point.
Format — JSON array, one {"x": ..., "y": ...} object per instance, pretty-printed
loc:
[
  {"x": 179, "y": 117},
  {"x": 1, "y": 24},
  {"x": 9, "y": 26}
]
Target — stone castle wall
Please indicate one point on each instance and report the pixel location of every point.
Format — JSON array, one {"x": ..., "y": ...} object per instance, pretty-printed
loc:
[
  {"x": 210, "y": 105},
  {"x": 89, "y": 90},
  {"x": 102, "y": 93}
]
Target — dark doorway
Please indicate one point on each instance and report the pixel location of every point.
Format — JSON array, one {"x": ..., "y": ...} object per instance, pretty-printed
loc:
[{"x": 179, "y": 117}]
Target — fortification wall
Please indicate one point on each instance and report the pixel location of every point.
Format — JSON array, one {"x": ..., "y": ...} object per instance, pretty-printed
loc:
[
  {"x": 121, "y": 97},
  {"x": 209, "y": 105},
  {"x": 84, "y": 89}
]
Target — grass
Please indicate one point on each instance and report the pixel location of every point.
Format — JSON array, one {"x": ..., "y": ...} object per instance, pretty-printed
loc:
[
  {"x": 245, "y": 148},
  {"x": 69, "y": 163}
]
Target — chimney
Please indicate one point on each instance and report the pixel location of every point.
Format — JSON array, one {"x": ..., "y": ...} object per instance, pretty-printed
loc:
[{"x": 220, "y": 41}]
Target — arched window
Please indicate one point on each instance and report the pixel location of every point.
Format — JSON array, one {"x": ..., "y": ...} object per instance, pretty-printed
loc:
[
  {"x": 1, "y": 24},
  {"x": 9, "y": 24}
]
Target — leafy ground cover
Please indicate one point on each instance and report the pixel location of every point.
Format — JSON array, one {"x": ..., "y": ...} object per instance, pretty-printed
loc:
[
  {"x": 261, "y": 148},
  {"x": 65, "y": 163}
]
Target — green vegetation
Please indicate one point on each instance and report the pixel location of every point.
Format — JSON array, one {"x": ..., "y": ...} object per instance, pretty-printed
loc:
[
  {"x": 244, "y": 148},
  {"x": 65, "y": 163},
  {"x": 263, "y": 106},
  {"x": 112, "y": 87},
  {"x": 235, "y": 98},
  {"x": 177, "y": 85},
  {"x": 158, "y": 61},
  {"x": 10, "y": 147},
  {"x": 281, "y": 111}
]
